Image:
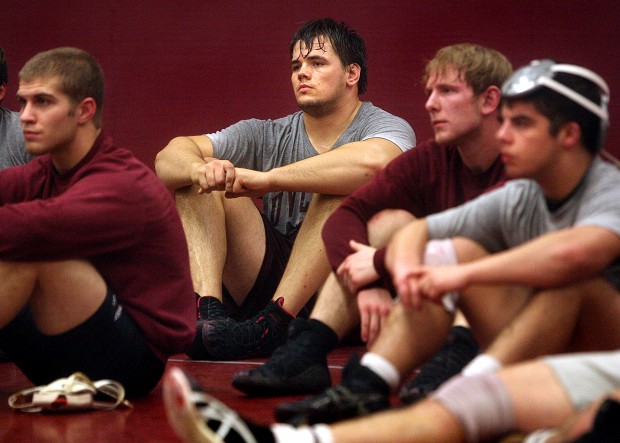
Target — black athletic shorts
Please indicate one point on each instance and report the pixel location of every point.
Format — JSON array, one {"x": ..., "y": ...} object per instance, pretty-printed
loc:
[
  {"x": 277, "y": 252},
  {"x": 108, "y": 345}
]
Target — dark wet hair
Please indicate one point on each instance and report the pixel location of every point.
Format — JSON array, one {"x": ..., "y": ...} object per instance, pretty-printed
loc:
[{"x": 347, "y": 43}]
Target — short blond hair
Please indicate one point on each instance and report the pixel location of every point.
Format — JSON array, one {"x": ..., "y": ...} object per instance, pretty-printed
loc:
[
  {"x": 480, "y": 67},
  {"x": 79, "y": 73}
]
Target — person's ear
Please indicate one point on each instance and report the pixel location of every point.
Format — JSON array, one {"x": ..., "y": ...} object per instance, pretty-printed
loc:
[
  {"x": 86, "y": 110},
  {"x": 2, "y": 91},
  {"x": 490, "y": 100},
  {"x": 569, "y": 135},
  {"x": 354, "y": 72}
]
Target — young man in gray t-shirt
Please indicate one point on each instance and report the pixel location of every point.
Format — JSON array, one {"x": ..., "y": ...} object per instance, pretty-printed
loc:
[{"x": 252, "y": 270}]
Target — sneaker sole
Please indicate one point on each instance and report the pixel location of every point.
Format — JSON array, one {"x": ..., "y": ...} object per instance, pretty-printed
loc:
[
  {"x": 181, "y": 411},
  {"x": 269, "y": 387}
]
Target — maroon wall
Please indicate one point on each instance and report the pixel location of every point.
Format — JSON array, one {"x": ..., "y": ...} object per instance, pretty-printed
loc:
[{"x": 189, "y": 67}]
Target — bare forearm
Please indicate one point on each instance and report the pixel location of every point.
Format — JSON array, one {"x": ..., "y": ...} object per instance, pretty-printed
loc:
[
  {"x": 174, "y": 164},
  {"x": 551, "y": 260},
  {"x": 337, "y": 172},
  {"x": 407, "y": 246}
]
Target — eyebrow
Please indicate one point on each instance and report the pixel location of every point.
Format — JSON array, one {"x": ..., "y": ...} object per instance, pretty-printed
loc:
[
  {"x": 309, "y": 58},
  {"x": 37, "y": 95}
]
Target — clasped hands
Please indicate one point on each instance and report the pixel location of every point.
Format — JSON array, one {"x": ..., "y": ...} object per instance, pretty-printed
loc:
[
  {"x": 222, "y": 175},
  {"x": 413, "y": 283}
]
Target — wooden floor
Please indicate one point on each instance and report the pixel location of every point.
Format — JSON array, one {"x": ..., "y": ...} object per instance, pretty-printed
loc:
[{"x": 146, "y": 422}]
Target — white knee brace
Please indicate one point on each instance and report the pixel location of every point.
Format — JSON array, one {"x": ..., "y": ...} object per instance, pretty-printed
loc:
[{"x": 481, "y": 404}]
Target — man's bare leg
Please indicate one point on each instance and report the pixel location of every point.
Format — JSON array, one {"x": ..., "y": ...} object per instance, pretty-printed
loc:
[
  {"x": 536, "y": 395},
  {"x": 578, "y": 318},
  {"x": 49, "y": 289},
  {"x": 336, "y": 308},
  {"x": 307, "y": 267},
  {"x": 226, "y": 242}
]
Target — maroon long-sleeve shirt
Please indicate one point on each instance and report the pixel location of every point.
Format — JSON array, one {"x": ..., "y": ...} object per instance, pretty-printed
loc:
[
  {"x": 113, "y": 211},
  {"x": 426, "y": 179}
]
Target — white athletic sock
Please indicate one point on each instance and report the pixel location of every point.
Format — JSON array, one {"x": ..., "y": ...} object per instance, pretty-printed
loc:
[
  {"x": 284, "y": 433},
  {"x": 383, "y": 368}
]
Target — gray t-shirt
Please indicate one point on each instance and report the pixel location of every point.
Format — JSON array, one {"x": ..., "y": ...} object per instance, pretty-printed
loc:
[
  {"x": 12, "y": 147},
  {"x": 518, "y": 212},
  {"x": 262, "y": 145}
]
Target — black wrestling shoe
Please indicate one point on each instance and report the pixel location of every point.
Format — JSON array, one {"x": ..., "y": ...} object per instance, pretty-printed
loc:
[
  {"x": 197, "y": 417},
  {"x": 361, "y": 392},
  {"x": 606, "y": 426},
  {"x": 259, "y": 336},
  {"x": 459, "y": 349},
  {"x": 299, "y": 366},
  {"x": 208, "y": 308}
]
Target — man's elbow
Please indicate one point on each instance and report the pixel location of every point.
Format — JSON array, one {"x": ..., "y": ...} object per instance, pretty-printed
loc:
[
  {"x": 581, "y": 260},
  {"x": 164, "y": 159},
  {"x": 377, "y": 158}
]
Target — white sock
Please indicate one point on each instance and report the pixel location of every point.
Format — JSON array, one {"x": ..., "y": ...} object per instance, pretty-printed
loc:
[
  {"x": 284, "y": 433},
  {"x": 383, "y": 368}
]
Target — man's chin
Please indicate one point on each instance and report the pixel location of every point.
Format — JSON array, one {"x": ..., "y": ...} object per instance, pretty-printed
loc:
[
  {"x": 443, "y": 139},
  {"x": 315, "y": 107},
  {"x": 35, "y": 150}
]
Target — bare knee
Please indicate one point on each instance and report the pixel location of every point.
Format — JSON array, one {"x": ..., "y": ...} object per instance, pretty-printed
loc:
[{"x": 384, "y": 224}]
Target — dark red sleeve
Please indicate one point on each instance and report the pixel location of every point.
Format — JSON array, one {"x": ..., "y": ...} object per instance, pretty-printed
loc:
[{"x": 395, "y": 187}]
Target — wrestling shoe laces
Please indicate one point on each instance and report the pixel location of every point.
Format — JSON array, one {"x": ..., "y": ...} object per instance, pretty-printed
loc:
[{"x": 261, "y": 335}]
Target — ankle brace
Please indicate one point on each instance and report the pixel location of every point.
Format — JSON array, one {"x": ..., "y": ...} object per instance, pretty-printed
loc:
[{"x": 481, "y": 404}]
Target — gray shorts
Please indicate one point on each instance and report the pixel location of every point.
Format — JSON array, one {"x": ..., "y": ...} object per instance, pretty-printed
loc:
[{"x": 586, "y": 376}]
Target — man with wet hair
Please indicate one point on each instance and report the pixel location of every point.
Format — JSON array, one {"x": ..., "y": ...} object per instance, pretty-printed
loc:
[{"x": 254, "y": 271}]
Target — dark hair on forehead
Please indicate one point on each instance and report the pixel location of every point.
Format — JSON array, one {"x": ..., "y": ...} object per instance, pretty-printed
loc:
[
  {"x": 561, "y": 110},
  {"x": 347, "y": 43}
]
